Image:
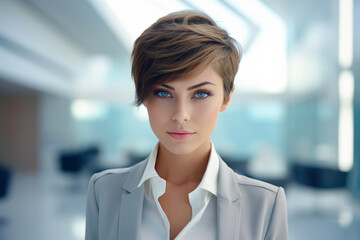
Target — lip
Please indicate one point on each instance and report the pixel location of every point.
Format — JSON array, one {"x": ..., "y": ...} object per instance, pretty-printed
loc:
[{"x": 180, "y": 134}]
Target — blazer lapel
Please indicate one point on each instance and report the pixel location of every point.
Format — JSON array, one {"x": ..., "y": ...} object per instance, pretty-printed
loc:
[
  {"x": 228, "y": 204},
  {"x": 130, "y": 214},
  {"x": 131, "y": 205}
]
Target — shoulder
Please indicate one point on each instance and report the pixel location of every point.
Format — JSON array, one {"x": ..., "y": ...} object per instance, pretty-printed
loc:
[
  {"x": 117, "y": 175},
  {"x": 255, "y": 190},
  {"x": 110, "y": 173},
  {"x": 260, "y": 196},
  {"x": 250, "y": 183},
  {"x": 264, "y": 205}
]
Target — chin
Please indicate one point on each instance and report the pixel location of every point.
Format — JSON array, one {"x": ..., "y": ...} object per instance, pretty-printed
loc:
[
  {"x": 185, "y": 147},
  {"x": 180, "y": 148}
]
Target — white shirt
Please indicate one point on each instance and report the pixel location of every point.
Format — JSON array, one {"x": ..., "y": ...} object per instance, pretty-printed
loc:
[{"x": 154, "y": 223}]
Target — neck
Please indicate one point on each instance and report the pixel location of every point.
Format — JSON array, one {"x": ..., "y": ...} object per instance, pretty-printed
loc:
[{"x": 181, "y": 169}]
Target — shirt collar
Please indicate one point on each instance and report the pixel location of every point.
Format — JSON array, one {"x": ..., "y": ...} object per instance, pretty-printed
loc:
[
  {"x": 209, "y": 180},
  {"x": 150, "y": 171}
]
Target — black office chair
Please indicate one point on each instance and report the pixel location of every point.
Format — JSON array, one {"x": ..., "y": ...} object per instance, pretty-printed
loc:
[
  {"x": 318, "y": 177},
  {"x": 5, "y": 176},
  {"x": 76, "y": 161}
]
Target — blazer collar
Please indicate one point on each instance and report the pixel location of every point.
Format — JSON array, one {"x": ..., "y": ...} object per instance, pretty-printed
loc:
[
  {"x": 228, "y": 204},
  {"x": 228, "y": 188},
  {"x": 131, "y": 206},
  {"x": 134, "y": 176}
]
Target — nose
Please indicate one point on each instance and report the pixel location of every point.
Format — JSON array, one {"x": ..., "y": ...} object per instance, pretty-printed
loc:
[{"x": 181, "y": 111}]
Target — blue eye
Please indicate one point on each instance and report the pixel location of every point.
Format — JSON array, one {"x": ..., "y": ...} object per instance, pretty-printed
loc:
[
  {"x": 163, "y": 94},
  {"x": 201, "y": 94}
]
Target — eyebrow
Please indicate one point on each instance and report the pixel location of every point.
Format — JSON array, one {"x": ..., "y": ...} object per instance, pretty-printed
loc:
[{"x": 190, "y": 88}]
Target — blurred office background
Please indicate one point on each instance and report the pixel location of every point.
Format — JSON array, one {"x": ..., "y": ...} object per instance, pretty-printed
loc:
[{"x": 66, "y": 109}]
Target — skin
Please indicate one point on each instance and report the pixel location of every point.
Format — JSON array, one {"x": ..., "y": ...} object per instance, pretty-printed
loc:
[{"x": 192, "y": 104}]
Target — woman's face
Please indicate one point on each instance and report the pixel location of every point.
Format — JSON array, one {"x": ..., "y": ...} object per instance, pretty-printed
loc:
[{"x": 183, "y": 113}]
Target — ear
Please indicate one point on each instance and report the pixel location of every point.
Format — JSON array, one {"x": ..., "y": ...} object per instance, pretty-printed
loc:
[{"x": 226, "y": 104}]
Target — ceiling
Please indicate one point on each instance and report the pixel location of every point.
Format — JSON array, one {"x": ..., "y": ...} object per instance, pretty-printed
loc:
[{"x": 83, "y": 23}]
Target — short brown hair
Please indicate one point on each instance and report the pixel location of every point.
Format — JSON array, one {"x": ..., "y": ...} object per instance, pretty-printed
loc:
[{"x": 179, "y": 45}]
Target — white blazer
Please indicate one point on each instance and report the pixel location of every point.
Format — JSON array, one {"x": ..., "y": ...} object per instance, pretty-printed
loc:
[{"x": 247, "y": 209}]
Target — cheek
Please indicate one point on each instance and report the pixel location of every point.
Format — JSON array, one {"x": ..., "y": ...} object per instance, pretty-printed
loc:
[
  {"x": 157, "y": 112},
  {"x": 207, "y": 115}
]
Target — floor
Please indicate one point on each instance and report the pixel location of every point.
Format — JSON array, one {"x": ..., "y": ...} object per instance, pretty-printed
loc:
[{"x": 44, "y": 206}]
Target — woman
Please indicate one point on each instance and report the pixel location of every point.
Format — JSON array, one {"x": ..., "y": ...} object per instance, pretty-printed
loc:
[{"x": 183, "y": 67}]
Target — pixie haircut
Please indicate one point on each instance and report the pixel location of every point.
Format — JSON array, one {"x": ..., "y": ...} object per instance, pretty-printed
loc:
[{"x": 180, "y": 45}]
